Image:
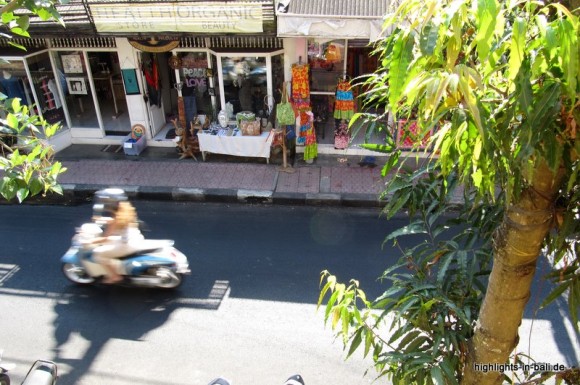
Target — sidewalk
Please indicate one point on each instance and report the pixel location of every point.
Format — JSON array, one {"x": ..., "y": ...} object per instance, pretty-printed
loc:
[{"x": 157, "y": 173}]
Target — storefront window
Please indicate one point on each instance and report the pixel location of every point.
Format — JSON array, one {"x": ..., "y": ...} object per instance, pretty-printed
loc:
[
  {"x": 45, "y": 86},
  {"x": 193, "y": 74},
  {"x": 326, "y": 60},
  {"x": 14, "y": 82},
  {"x": 245, "y": 82},
  {"x": 77, "y": 89}
]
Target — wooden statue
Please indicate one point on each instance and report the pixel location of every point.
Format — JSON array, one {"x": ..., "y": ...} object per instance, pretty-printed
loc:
[{"x": 188, "y": 143}]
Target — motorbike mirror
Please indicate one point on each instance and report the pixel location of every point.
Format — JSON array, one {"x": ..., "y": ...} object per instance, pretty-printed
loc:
[
  {"x": 295, "y": 380},
  {"x": 219, "y": 381},
  {"x": 41, "y": 373}
]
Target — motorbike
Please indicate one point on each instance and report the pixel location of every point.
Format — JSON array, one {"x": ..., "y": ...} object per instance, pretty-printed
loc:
[
  {"x": 42, "y": 372},
  {"x": 155, "y": 264}
]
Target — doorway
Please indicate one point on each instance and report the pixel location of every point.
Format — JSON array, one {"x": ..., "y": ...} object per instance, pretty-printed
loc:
[
  {"x": 158, "y": 95},
  {"x": 108, "y": 86}
]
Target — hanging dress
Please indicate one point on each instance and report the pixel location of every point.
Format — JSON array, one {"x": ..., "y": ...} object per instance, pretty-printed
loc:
[
  {"x": 343, "y": 111},
  {"x": 304, "y": 122},
  {"x": 301, "y": 101},
  {"x": 344, "y": 104},
  {"x": 311, "y": 146},
  {"x": 300, "y": 87}
]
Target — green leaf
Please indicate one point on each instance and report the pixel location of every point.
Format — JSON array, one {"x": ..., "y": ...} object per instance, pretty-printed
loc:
[
  {"x": 517, "y": 47},
  {"x": 486, "y": 21},
  {"x": 413, "y": 228},
  {"x": 443, "y": 266},
  {"x": 382, "y": 148},
  {"x": 437, "y": 375},
  {"x": 390, "y": 163},
  {"x": 355, "y": 342},
  {"x": 399, "y": 68},
  {"x": 22, "y": 193},
  {"x": 36, "y": 186},
  {"x": 428, "y": 39},
  {"x": 408, "y": 338},
  {"x": 368, "y": 342},
  {"x": 448, "y": 369}
]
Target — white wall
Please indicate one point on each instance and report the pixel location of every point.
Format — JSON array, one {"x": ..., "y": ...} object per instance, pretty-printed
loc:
[{"x": 135, "y": 104}]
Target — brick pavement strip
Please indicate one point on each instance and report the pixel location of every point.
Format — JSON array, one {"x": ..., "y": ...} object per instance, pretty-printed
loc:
[{"x": 226, "y": 182}]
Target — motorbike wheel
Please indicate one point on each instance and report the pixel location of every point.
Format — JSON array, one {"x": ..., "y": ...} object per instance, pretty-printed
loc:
[
  {"x": 4, "y": 379},
  {"x": 77, "y": 274},
  {"x": 169, "y": 278}
]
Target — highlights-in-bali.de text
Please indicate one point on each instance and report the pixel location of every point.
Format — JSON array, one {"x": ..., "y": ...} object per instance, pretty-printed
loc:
[{"x": 533, "y": 367}]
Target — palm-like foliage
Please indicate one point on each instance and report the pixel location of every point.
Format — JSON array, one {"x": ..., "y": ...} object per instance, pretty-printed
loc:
[{"x": 499, "y": 82}]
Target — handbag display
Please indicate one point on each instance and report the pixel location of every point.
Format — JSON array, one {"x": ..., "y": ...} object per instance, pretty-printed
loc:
[{"x": 284, "y": 111}]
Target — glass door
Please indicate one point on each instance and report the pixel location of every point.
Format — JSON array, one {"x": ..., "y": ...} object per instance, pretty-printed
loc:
[
  {"x": 111, "y": 101},
  {"x": 78, "y": 94}
]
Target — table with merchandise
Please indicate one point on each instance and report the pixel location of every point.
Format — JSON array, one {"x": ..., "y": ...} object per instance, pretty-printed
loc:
[{"x": 230, "y": 141}]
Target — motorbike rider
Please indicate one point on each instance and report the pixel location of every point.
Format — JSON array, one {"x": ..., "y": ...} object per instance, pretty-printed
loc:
[{"x": 121, "y": 236}]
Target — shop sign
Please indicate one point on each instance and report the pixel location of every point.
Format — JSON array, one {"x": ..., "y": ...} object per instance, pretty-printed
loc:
[{"x": 198, "y": 17}]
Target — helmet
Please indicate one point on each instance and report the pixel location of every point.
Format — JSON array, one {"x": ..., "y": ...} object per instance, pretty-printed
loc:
[{"x": 106, "y": 202}]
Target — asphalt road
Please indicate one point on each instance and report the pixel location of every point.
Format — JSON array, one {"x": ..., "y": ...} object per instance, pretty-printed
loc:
[{"x": 247, "y": 312}]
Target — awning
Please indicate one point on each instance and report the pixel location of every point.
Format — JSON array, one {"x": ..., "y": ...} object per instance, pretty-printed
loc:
[{"x": 346, "y": 19}]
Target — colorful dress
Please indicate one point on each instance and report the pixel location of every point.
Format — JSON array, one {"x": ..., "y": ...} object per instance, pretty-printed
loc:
[
  {"x": 311, "y": 147},
  {"x": 344, "y": 104},
  {"x": 301, "y": 101},
  {"x": 304, "y": 122},
  {"x": 300, "y": 85}
]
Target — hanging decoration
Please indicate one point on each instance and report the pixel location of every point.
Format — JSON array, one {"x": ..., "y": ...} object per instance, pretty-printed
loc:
[
  {"x": 332, "y": 54},
  {"x": 153, "y": 45},
  {"x": 174, "y": 62}
]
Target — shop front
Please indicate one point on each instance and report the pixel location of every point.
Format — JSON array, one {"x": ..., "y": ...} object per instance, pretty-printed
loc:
[
  {"x": 152, "y": 65},
  {"x": 158, "y": 66},
  {"x": 333, "y": 38}
]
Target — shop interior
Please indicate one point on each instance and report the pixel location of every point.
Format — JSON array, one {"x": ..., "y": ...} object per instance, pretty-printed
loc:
[
  {"x": 331, "y": 62},
  {"x": 245, "y": 86},
  {"x": 110, "y": 109}
]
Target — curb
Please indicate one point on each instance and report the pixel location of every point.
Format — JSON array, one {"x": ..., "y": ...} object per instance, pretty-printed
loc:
[{"x": 83, "y": 193}]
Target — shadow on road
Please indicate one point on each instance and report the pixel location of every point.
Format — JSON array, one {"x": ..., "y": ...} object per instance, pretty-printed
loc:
[{"x": 100, "y": 314}]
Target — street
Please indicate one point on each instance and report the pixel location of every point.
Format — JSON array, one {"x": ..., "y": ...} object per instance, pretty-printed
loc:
[{"x": 247, "y": 312}]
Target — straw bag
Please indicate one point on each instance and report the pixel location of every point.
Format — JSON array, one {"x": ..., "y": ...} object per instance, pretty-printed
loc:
[
  {"x": 284, "y": 111},
  {"x": 250, "y": 128}
]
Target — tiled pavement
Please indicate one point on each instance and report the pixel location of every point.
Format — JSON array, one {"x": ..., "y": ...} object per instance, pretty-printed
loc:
[{"x": 158, "y": 173}]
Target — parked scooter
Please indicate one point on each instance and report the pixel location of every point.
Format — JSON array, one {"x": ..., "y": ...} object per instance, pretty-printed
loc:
[
  {"x": 294, "y": 380},
  {"x": 42, "y": 372},
  {"x": 154, "y": 263},
  {"x": 4, "y": 369}
]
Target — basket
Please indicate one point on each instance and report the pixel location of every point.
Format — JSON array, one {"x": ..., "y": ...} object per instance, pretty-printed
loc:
[{"x": 250, "y": 128}]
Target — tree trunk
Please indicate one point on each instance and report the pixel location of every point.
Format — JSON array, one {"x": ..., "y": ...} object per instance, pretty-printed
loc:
[{"x": 517, "y": 245}]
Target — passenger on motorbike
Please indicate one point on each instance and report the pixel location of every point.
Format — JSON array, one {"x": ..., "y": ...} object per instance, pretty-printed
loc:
[{"x": 121, "y": 235}]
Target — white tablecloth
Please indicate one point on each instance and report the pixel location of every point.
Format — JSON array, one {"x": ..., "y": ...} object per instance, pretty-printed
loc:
[{"x": 251, "y": 146}]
